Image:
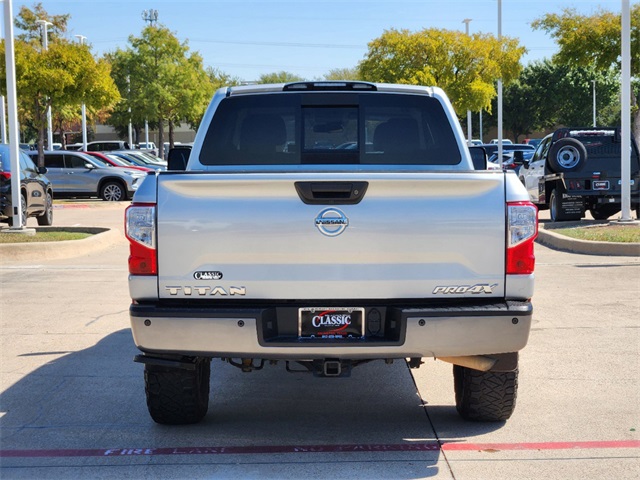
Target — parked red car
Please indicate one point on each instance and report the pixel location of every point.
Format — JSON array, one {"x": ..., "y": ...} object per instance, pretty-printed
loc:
[{"x": 116, "y": 162}]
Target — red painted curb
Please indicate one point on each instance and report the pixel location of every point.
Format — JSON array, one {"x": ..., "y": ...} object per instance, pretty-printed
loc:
[{"x": 355, "y": 448}]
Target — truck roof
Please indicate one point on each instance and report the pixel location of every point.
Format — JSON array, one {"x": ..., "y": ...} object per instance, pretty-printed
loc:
[{"x": 337, "y": 86}]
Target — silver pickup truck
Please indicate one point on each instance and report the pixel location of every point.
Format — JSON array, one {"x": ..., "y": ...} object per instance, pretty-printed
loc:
[{"x": 324, "y": 225}]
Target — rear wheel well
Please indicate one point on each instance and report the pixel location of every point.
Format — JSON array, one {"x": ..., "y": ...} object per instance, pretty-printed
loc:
[
  {"x": 116, "y": 182},
  {"x": 105, "y": 180}
]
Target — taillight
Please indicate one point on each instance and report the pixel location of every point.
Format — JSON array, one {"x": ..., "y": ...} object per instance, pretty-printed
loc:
[
  {"x": 140, "y": 229},
  {"x": 522, "y": 230}
]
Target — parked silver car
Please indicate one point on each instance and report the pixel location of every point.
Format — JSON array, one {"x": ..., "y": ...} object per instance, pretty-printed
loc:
[{"x": 75, "y": 174}]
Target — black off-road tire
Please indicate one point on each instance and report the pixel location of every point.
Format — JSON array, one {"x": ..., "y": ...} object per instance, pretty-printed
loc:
[
  {"x": 46, "y": 219},
  {"x": 177, "y": 396},
  {"x": 567, "y": 155},
  {"x": 485, "y": 396},
  {"x": 113, "y": 192}
]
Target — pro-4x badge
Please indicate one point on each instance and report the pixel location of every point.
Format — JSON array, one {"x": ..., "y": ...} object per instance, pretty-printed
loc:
[{"x": 457, "y": 289}]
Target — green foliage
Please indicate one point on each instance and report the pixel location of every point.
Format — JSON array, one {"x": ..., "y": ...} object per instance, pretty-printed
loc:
[
  {"x": 220, "y": 79},
  {"x": 27, "y": 18},
  {"x": 595, "y": 40},
  {"x": 466, "y": 67},
  {"x": 547, "y": 95},
  {"x": 42, "y": 236},
  {"x": 343, "y": 74},
  {"x": 279, "y": 77},
  {"x": 605, "y": 233},
  {"x": 591, "y": 39},
  {"x": 62, "y": 77},
  {"x": 160, "y": 81}
]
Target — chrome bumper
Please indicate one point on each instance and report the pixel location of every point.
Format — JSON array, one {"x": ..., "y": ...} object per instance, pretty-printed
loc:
[{"x": 241, "y": 333}]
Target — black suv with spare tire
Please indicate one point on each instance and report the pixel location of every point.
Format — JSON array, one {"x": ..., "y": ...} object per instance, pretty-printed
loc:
[{"x": 579, "y": 169}]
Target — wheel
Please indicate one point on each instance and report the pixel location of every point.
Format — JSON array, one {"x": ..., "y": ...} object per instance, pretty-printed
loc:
[
  {"x": 46, "y": 219},
  {"x": 567, "y": 155},
  {"x": 178, "y": 396},
  {"x": 113, "y": 192},
  {"x": 554, "y": 205},
  {"x": 603, "y": 211},
  {"x": 485, "y": 396},
  {"x": 23, "y": 209},
  {"x": 555, "y": 210}
]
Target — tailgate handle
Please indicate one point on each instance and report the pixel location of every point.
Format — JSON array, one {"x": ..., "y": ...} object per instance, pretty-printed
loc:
[{"x": 331, "y": 193}]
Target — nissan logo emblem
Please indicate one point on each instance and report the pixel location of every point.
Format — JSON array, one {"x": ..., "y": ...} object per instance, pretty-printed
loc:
[{"x": 331, "y": 222}]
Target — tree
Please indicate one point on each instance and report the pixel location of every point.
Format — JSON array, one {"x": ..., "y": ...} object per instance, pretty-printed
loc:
[
  {"x": 519, "y": 112},
  {"x": 26, "y": 20},
  {"x": 279, "y": 77},
  {"x": 160, "y": 81},
  {"x": 192, "y": 102},
  {"x": 220, "y": 79},
  {"x": 63, "y": 76},
  {"x": 343, "y": 74},
  {"x": 465, "y": 66},
  {"x": 595, "y": 40},
  {"x": 547, "y": 95}
]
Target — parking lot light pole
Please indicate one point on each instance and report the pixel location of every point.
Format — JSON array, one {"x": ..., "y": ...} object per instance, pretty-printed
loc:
[
  {"x": 625, "y": 160},
  {"x": 45, "y": 45},
  {"x": 82, "y": 38},
  {"x": 129, "y": 99},
  {"x": 500, "y": 88},
  {"x": 12, "y": 103},
  {"x": 594, "y": 103},
  {"x": 466, "y": 21}
]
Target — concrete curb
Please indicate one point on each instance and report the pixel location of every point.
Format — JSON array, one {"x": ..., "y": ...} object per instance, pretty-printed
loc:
[
  {"x": 101, "y": 238},
  {"x": 574, "y": 245}
]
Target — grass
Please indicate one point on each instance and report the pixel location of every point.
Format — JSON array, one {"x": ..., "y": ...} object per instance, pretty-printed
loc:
[
  {"x": 603, "y": 233},
  {"x": 42, "y": 237}
]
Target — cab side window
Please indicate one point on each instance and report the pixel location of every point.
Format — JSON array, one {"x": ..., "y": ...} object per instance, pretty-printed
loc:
[
  {"x": 54, "y": 161},
  {"x": 71, "y": 161},
  {"x": 542, "y": 149}
]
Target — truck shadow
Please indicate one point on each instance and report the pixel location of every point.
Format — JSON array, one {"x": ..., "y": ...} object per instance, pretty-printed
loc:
[{"x": 94, "y": 399}]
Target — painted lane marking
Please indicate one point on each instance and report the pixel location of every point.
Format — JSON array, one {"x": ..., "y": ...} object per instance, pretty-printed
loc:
[{"x": 402, "y": 447}]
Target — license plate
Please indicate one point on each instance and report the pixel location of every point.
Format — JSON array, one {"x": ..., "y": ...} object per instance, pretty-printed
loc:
[
  {"x": 330, "y": 322},
  {"x": 601, "y": 185}
]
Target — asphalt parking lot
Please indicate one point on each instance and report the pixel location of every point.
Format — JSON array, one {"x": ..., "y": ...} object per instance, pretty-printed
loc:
[{"x": 72, "y": 400}]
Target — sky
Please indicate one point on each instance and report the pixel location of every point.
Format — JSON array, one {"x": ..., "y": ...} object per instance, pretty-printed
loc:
[{"x": 246, "y": 39}]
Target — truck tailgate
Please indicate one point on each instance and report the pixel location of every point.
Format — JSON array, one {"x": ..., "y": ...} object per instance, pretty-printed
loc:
[{"x": 251, "y": 236}]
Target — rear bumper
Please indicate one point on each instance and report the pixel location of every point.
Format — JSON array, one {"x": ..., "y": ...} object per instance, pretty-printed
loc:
[{"x": 270, "y": 332}]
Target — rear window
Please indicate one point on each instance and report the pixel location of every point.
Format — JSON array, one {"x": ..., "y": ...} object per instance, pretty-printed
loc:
[
  {"x": 5, "y": 160},
  {"x": 330, "y": 128}
]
